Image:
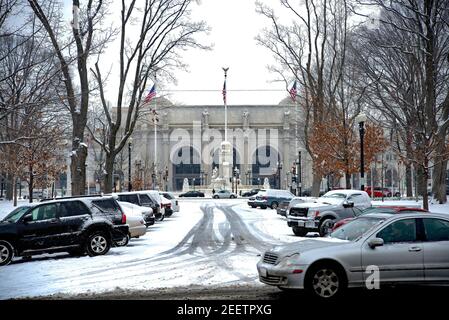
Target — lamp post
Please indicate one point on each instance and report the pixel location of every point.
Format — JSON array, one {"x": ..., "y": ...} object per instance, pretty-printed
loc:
[
  {"x": 287, "y": 185},
  {"x": 201, "y": 177},
  {"x": 193, "y": 182},
  {"x": 236, "y": 176},
  {"x": 279, "y": 166},
  {"x": 361, "y": 119},
  {"x": 258, "y": 183},
  {"x": 130, "y": 142}
]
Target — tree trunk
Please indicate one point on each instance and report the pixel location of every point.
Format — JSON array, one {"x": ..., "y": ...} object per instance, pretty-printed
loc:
[
  {"x": 421, "y": 180},
  {"x": 316, "y": 183},
  {"x": 9, "y": 187},
  {"x": 78, "y": 159},
  {"x": 31, "y": 185},
  {"x": 14, "y": 179},
  {"x": 109, "y": 177},
  {"x": 439, "y": 173},
  {"x": 408, "y": 180},
  {"x": 347, "y": 180}
]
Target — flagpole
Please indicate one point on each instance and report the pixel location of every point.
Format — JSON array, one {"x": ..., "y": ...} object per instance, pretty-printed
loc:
[
  {"x": 155, "y": 141},
  {"x": 225, "y": 103}
]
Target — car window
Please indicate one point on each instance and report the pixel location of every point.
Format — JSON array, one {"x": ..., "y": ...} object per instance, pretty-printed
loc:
[
  {"x": 132, "y": 198},
  {"x": 145, "y": 200},
  {"x": 436, "y": 229},
  {"x": 356, "y": 228},
  {"x": 72, "y": 208},
  {"x": 168, "y": 196},
  {"x": 107, "y": 205},
  {"x": 16, "y": 214},
  {"x": 356, "y": 198},
  {"x": 399, "y": 231},
  {"x": 45, "y": 212}
]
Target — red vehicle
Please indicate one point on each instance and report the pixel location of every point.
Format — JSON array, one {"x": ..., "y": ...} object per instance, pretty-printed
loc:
[
  {"x": 379, "y": 192},
  {"x": 383, "y": 209}
]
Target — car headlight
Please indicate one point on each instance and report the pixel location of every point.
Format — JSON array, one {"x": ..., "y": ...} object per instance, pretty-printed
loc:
[
  {"x": 289, "y": 261},
  {"x": 312, "y": 213}
]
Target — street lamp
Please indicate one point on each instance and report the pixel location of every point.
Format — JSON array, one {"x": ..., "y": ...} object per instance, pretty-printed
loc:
[
  {"x": 236, "y": 176},
  {"x": 361, "y": 119},
  {"x": 193, "y": 182},
  {"x": 279, "y": 166},
  {"x": 130, "y": 142}
]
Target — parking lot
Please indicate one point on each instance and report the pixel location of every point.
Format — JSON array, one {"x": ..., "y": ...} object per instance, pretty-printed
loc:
[{"x": 209, "y": 243}]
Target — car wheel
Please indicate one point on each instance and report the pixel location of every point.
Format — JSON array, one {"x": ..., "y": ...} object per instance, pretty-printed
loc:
[
  {"x": 124, "y": 242},
  {"x": 326, "y": 226},
  {"x": 253, "y": 206},
  {"x": 232, "y": 197},
  {"x": 274, "y": 205},
  {"x": 6, "y": 252},
  {"x": 263, "y": 207},
  {"x": 215, "y": 197},
  {"x": 325, "y": 281},
  {"x": 300, "y": 232},
  {"x": 98, "y": 244}
]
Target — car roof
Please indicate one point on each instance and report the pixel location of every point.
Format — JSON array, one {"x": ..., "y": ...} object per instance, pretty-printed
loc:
[
  {"x": 83, "y": 199},
  {"x": 407, "y": 215}
]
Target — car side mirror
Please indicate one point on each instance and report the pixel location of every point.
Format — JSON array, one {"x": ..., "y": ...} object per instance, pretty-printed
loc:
[
  {"x": 375, "y": 242},
  {"x": 28, "y": 218},
  {"x": 348, "y": 204}
]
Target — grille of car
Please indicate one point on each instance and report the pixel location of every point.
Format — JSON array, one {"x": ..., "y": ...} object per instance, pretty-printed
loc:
[
  {"x": 299, "y": 212},
  {"x": 270, "y": 258},
  {"x": 273, "y": 280}
]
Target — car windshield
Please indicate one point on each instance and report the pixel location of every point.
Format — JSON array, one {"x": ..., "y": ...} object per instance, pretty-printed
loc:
[
  {"x": 15, "y": 215},
  {"x": 353, "y": 230},
  {"x": 335, "y": 195}
]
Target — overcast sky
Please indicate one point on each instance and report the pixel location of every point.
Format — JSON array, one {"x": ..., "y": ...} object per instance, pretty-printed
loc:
[{"x": 234, "y": 25}]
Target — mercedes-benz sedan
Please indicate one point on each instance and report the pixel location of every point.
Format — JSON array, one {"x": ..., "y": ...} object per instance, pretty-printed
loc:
[{"x": 406, "y": 248}]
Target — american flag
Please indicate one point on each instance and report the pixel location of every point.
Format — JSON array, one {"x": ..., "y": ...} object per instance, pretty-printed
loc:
[
  {"x": 151, "y": 94},
  {"x": 293, "y": 92},
  {"x": 224, "y": 91}
]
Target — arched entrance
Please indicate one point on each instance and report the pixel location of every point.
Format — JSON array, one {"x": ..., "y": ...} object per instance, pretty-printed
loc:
[
  {"x": 264, "y": 165},
  {"x": 186, "y": 169}
]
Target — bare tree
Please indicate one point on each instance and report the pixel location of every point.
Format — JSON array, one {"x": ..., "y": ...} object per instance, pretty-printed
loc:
[
  {"x": 312, "y": 50},
  {"x": 164, "y": 29},
  {"x": 87, "y": 36},
  {"x": 406, "y": 59}
]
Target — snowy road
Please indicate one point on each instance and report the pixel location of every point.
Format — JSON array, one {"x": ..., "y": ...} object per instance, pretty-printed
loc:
[{"x": 209, "y": 244}]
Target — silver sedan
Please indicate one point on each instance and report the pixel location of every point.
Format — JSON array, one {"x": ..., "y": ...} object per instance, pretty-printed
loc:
[{"x": 374, "y": 248}]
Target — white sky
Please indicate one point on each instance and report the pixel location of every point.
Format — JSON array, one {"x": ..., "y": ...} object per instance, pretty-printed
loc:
[{"x": 234, "y": 25}]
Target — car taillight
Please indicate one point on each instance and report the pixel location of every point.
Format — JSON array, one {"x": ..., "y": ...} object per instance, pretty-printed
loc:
[{"x": 123, "y": 218}]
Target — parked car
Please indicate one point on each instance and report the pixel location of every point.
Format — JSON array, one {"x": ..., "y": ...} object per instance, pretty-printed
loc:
[
  {"x": 308, "y": 192},
  {"x": 192, "y": 194},
  {"x": 383, "y": 209},
  {"x": 143, "y": 200},
  {"x": 145, "y": 212},
  {"x": 285, "y": 205},
  {"x": 166, "y": 205},
  {"x": 135, "y": 222},
  {"x": 407, "y": 248},
  {"x": 250, "y": 193},
  {"x": 321, "y": 214},
  {"x": 171, "y": 197},
  {"x": 381, "y": 192},
  {"x": 224, "y": 194},
  {"x": 74, "y": 225},
  {"x": 270, "y": 198}
]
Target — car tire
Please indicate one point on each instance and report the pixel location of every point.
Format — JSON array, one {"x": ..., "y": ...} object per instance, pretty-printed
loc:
[
  {"x": 124, "y": 242},
  {"x": 274, "y": 205},
  {"x": 253, "y": 206},
  {"x": 325, "y": 281},
  {"x": 98, "y": 243},
  {"x": 6, "y": 252},
  {"x": 232, "y": 197},
  {"x": 300, "y": 232},
  {"x": 325, "y": 226},
  {"x": 263, "y": 207},
  {"x": 215, "y": 197}
]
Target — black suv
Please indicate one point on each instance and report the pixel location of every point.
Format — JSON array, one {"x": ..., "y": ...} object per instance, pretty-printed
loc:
[{"x": 74, "y": 225}]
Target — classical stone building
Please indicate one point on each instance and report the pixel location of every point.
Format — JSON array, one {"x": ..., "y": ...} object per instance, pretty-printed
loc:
[{"x": 188, "y": 139}]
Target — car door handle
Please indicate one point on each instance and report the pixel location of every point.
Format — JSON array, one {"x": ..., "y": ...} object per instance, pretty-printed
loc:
[
  {"x": 414, "y": 249},
  {"x": 54, "y": 220}
]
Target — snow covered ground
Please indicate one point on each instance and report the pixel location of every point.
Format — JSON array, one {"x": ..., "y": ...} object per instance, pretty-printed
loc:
[{"x": 209, "y": 243}]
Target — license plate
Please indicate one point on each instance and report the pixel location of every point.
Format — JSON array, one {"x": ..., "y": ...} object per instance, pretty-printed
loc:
[
  {"x": 300, "y": 223},
  {"x": 263, "y": 272},
  {"x": 310, "y": 224}
]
